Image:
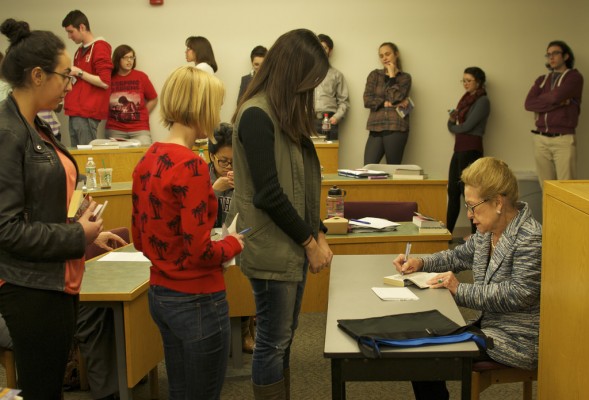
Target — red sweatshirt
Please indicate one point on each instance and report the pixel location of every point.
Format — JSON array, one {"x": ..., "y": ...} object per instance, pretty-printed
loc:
[
  {"x": 174, "y": 210},
  {"x": 86, "y": 100}
]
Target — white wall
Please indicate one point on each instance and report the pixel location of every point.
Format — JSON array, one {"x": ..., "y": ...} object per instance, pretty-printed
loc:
[{"x": 437, "y": 40}]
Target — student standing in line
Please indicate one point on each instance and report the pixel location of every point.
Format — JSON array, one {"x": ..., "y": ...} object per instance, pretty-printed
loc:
[
  {"x": 41, "y": 254},
  {"x": 277, "y": 194},
  {"x": 87, "y": 103},
  {"x": 221, "y": 172},
  {"x": 257, "y": 58},
  {"x": 467, "y": 122},
  {"x": 386, "y": 89},
  {"x": 555, "y": 99},
  {"x": 331, "y": 96},
  {"x": 129, "y": 86},
  {"x": 200, "y": 52},
  {"x": 174, "y": 210}
]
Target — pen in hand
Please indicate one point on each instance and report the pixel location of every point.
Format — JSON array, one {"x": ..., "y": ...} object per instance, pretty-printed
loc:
[
  {"x": 407, "y": 251},
  {"x": 246, "y": 230}
]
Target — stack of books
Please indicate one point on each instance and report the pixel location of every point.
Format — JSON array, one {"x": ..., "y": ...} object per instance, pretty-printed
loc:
[
  {"x": 408, "y": 172},
  {"x": 362, "y": 173},
  {"x": 429, "y": 225}
]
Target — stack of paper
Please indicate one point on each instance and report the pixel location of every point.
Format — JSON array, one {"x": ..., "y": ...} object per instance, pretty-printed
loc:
[
  {"x": 363, "y": 173},
  {"x": 370, "y": 224},
  {"x": 395, "y": 293}
]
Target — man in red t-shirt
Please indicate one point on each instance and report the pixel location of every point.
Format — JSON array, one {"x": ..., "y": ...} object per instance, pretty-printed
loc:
[{"x": 87, "y": 103}]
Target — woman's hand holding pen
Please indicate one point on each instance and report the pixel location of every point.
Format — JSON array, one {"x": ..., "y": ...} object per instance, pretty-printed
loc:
[
  {"x": 224, "y": 183},
  {"x": 407, "y": 266},
  {"x": 91, "y": 227},
  {"x": 444, "y": 280}
]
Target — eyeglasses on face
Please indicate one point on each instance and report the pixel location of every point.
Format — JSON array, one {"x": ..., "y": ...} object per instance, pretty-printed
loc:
[
  {"x": 553, "y": 54},
  {"x": 129, "y": 58},
  {"x": 224, "y": 163},
  {"x": 470, "y": 208},
  {"x": 466, "y": 81},
  {"x": 69, "y": 78}
]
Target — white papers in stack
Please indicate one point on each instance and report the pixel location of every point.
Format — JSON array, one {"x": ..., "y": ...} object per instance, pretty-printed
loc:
[{"x": 370, "y": 224}]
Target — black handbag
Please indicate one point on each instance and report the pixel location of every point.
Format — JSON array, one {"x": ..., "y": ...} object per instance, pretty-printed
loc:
[{"x": 410, "y": 330}]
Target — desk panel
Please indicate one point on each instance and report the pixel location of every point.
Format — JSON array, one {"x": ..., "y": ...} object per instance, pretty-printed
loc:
[
  {"x": 429, "y": 194},
  {"x": 123, "y": 161}
]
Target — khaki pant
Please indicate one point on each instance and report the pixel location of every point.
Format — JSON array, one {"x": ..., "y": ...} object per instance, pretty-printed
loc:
[{"x": 556, "y": 157}]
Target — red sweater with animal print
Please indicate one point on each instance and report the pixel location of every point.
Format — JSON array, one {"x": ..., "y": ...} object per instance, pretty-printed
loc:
[{"x": 174, "y": 210}]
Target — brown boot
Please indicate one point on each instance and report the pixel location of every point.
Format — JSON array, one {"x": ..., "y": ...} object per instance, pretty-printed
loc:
[
  {"x": 275, "y": 391},
  {"x": 247, "y": 342}
]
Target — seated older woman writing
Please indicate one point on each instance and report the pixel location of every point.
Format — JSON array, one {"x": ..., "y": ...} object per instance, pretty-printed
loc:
[{"x": 505, "y": 256}]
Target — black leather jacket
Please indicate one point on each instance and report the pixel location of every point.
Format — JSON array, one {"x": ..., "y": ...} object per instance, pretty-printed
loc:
[{"x": 35, "y": 240}]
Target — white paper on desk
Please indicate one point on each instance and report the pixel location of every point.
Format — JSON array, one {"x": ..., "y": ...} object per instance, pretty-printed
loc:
[
  {"x": 227, "y": 231},
  {"x": 119, "y": 256},
  {"x": 395, "y": 293},
  {"x": 374, "y": 223}
]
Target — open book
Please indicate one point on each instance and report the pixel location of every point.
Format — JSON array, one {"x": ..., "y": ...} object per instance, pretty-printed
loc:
[{"x": 416, "y": 278}]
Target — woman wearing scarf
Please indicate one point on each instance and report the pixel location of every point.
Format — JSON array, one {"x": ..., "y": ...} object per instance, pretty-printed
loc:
[{"x": 467, "y": 122}]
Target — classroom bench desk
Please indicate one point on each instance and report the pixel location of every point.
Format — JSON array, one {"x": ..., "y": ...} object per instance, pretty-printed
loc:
[
  {"x": 350, "y": 296},
  {"x": 123, "y": 287},
  {"x": 429, "y": 194}
]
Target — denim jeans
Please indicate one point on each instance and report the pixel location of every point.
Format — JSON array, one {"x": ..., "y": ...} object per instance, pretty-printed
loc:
[
  {"x": 278, "y": 304},
  {"x": 82, "y": 130},
  {"x": 196, "y": 334}
]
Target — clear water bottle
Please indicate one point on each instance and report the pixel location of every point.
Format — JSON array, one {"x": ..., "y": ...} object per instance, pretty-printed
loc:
[
  {"x": 335, "y": 202},
  {"x": 201, "y": 154},
  {"x": 326, "y": 126},
  {"x": 91, "y": 174}
]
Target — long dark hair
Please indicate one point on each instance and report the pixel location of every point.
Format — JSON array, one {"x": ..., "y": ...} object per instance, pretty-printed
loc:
[
  {"x": 28, "y": 49},
  {"x": 293, "y": 67},
  {"x": 202, "y": 50},
  {"x": 118, "y": 54}
]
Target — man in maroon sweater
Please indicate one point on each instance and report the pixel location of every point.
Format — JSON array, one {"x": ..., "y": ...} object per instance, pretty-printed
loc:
[{"x": 555, "y": 98}]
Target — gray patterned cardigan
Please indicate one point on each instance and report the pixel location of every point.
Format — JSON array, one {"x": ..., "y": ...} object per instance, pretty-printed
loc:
[{"x": 506, "y": 289}]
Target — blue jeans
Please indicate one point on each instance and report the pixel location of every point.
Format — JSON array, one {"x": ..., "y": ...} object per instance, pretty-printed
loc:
[
  {"x": 196, "y": 334},
  {"x": 82, "y": 130},
  {"x": 278, "y": 304}
]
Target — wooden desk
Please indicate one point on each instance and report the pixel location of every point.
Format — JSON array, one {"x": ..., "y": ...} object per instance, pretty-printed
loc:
[
  {"x": 350, "y": 297},
  {"x": 429, "y": 194},
  {"x": 563, "y": 347},
  {"x": 315, "y": 299},
  {"x": 123, "y": 287},
  {"x": 123, "y": 161}
]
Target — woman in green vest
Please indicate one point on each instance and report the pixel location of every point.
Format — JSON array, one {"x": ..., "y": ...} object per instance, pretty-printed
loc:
[{"x": 277, "y": 192}]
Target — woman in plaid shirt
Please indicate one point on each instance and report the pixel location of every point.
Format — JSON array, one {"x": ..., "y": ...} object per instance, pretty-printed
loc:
[{"x": 386, "y": 90}]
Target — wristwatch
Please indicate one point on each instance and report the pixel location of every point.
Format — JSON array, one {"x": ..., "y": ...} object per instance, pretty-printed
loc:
[{"x": 80, "y": 74}]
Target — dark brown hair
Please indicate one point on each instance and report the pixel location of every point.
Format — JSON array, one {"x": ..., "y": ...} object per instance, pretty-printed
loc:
[
  {"x": 28, "y": 49},
  {"x": 202, "y": 50},
  {"x": 118, "y": 54},
  {"x": 293, "y": 67}
]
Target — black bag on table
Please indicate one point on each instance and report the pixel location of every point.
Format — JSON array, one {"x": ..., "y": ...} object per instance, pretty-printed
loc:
[{"x": 410, "y": 330}]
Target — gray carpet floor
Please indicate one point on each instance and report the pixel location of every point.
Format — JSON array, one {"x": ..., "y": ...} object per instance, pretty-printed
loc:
[{"x": 311, "y": 376}]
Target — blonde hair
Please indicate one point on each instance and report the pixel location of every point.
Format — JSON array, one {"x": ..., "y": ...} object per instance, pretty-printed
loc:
[
  {"x": 193, "y": 98},
  {"x": 491, "y": 177}
]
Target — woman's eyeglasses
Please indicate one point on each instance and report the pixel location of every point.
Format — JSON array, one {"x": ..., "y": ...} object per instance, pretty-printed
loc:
[
  {"x": 129, "y": 58},
  {"x": 471, "y": 208},
  {"x": 467, "y": 81},
  {"x": 224, "y": 163},
  {"x": 69, "y": 78}
]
